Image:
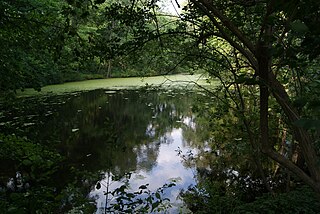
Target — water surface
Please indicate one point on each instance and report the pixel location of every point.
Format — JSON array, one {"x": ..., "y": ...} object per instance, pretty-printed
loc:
[{"x": 113, "y": 133}]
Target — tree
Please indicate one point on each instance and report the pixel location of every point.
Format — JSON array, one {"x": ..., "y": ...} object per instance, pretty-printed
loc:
[
  {"x": 262, "y": 42},
  {"x": 129, "y": 39},
  {"x": 256, "y": 30}
]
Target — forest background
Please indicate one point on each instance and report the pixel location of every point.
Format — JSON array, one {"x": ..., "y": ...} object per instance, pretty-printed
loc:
[{"x": 265, "y": 54}]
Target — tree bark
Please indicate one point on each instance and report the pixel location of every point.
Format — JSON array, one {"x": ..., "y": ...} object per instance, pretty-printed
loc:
[
  {"x": 264, "y": 69},
  {"x": 268, "y": 80},
  {"x": 301, "y": 135}
]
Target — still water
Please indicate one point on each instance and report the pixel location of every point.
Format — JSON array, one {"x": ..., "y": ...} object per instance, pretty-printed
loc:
[{"x": 124, "y": 136}]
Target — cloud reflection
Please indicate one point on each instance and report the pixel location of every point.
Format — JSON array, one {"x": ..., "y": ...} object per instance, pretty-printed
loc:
[{"x": 168, "y": 167}]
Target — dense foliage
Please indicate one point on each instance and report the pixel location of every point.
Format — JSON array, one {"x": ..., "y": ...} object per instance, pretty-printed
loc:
[
  {"x": 48, "y": 42},
  {"x": 28, "y": 191},
  {"x": 264, "y": 127},
  {"x": 258, "y": 51}
]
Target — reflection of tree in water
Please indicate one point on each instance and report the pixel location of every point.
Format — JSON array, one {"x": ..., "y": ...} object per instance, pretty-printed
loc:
[
  {"x": 102, "y": 130},
  {"x": 96, "y": 131},
  {"x": 99, "y": 130},
  {"x": 224, "y": 158}
]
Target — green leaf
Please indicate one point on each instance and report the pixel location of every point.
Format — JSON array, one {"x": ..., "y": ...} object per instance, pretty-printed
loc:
[
  {"x": 155, "y": 205},
  {"x": 130, "y": 195},
  {"x": 308, "y": 123},
  {"x": 243, "y": 79},
  {"x": 158, "y": 195},
  {"x": 171, "y": 185},
  {"x": 26, "y": 162},
  {"x": 98, "y": 186},
  {"x": 299, "y": 27},
  {"x": 122, "y": 189},
  {"x": 143, "y": 186}
]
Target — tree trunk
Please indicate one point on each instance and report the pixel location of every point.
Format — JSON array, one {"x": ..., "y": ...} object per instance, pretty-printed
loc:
[
  {"x": 109, "y": 68},
  {"x": 268, "y": 79},
  {"x": 301, "y": 135},
  {"x": 264, "y": 69}
]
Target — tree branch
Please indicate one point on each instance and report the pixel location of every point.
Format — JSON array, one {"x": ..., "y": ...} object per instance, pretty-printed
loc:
[
  {"x": 226, "y": 22},
  {"x": 249, "y": 55},
  {"x": 292, "y": 167}
]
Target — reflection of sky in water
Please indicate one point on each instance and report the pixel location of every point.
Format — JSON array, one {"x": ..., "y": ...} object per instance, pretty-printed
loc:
[{"x": 168, "y": 167}]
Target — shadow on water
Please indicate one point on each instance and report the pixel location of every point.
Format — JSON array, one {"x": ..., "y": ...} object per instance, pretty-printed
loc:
[{"x": 89, "y": 136}]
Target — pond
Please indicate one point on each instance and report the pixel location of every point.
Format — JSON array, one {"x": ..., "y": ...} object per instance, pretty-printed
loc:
[{"x": 108, "y": 138}]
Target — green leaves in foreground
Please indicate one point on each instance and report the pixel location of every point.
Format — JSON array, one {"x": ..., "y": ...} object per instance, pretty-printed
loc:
[
  {"x": 30, "y": 190},
  {"x": 29, "y": 157},
  {"x": 300, "y": 200},
  {"x": 141, "y": 201}
]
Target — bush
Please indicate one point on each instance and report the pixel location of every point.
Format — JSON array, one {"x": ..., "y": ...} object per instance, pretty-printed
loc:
[{"x": 298, "y": 201}]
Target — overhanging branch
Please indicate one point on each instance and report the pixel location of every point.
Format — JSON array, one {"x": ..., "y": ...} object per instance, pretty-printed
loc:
[
  {"x": 247, "y": 53},
  {"x": 227, "y": 23}
]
